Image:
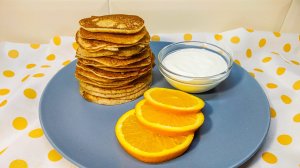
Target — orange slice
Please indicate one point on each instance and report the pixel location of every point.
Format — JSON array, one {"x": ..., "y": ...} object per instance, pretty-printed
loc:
[
  {"x": 166, "y": 122},
  {"x": 146, "y": 145},
  {"x": 175, "y": 100}
]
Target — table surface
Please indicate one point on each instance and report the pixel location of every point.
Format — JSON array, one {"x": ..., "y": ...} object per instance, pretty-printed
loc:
[{"x": 272, "y": 58}]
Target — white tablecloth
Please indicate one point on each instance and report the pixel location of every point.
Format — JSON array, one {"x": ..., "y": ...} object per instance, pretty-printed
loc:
[{"x": 272, "y": 58}]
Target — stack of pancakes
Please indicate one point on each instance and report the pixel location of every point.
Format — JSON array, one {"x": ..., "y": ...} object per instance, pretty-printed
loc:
[{"x": 114, "y": 58}]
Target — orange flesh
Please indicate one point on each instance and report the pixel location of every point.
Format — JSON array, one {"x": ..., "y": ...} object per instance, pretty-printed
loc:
[
  {"x": 167, "y": 118},
  {"x": 177, "y": 99},
  {"x": 139, "y": 137}
]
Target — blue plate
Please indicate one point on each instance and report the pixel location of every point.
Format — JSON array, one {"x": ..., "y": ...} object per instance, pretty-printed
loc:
[{"x": 236, "y": 123}]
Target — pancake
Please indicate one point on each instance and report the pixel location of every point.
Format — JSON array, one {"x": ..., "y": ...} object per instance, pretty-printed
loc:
[
  {"x": 116, "y": 23},
  {"x": 93, "y": 81},
  {"x": 113, "y": 62},
  {"x": 113, "y": 75},
  {"x": 96, "y": 45},
  {"x": 142, "y": 63},
  {"x": 139, "y": 83},
  {"x": 111, "y": 101},
  {"x": 91, "y": 75},
  {"x": 122, "y": 52},
  {"x": 111, "y": 56},
  {"x": 120, "y": 69},
  {"x": 113, "y": 38},
  {"x": 145, "y": 62},
  {"x": 114, "y": 93}
]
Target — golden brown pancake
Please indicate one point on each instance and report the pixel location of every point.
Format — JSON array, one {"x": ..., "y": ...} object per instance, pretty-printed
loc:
[
  {"x": 88, "y": 74},
  {"x": 113, "y": 38},
  {"x": 142, "y": 63},
  {"x": 122, "y": 52},
  {"x": 116, "y": 23},
  {"x": 114, "y": 58},
  {"x": 94, "y": 81},
  {"x": 110, "y": 56},
  {"x": 96, "y": 45},
  {"x": 120, "y": 69},
  {"x": 112, "y": 62},
  {"x": 113, "y": 75},
  {"x": 114, "y": 92},
  {"x": 111, "y": 101}
]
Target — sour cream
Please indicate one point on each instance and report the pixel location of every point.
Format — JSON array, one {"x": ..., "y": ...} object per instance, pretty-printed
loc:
[
  {"x": 194, "y": 62},
  {"x": 195, "y": 70}
]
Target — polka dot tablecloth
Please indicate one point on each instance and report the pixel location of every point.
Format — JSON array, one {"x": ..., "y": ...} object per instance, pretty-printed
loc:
[{"x": 272, "y": 58}]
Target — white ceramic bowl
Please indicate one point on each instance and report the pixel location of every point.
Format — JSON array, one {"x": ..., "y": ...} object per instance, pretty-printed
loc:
[{"x": 194, "y": 84}]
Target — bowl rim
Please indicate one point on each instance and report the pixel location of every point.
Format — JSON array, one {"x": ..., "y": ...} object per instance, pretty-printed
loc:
[{"x": 216, "y": 76}]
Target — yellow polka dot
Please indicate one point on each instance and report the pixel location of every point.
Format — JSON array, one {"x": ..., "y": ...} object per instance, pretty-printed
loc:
[
  {"x": 29, "y": 66},
  {"x": 51, "y": 57},
  {"x": 297, "y": 117},
  {"x": 57, "y": 40},
  {"x": 13, "y": 53},
  {"x": 75, "y": 45},
  {"x": 25, "y": 78},
  {"x": 155, "y": 38},
  {"x": 2, "y": 151},
  {"x": 249, "y": 53},
  {"x": 218, "y": 37},
  {"x": 19, "y": 123},
  {"x": 187, "y": 37},
  {"x": 266, "y": 59},
  {"x": 8, "y": 73},
  {"x": 280, "y": 70},
  {"x": 235, "y": 39},
  {"x": 250, "y": 30},
  {"x": 272, "y": 112},
  {"x": 262, "y": 42},
  {"x": 258, "y": 70},
  {"x": 295, "y": 62},
  {"x": 66, "y": 62},
  {"x": 237, "y": 62},
  {"x": 4, "y": 91},
  {"x": 38, "y": 75},
  {"x": 277, "y": 34},
  {"x": 284, "y": 139},
  {"x": 287, "y": 47},
  {"x": 36, "y": 133},
  {"x": 296, "y": 85},
  {"x": 30, "y": 93},
  {"x": 35, "y": 46},
  {"x": 54, "y": 156},
  {"x": 271, "y": 85},
  {"x": 286, "y": 99},
  {"x": 3, "y": 103},
  {"x": 269, "y": 157},
  {"x": 18, "y": 164},
  {"x": 252, "y": 74},
  {"x": 45, "y": 66}
]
